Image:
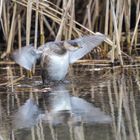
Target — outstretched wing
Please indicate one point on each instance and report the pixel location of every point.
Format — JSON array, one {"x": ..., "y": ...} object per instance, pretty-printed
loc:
[
  {"x": 86, "y": 44},
  {"x": 26, "y": 56}
]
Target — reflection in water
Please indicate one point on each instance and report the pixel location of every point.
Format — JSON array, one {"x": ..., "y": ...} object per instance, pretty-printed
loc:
[
  {"x": 26, "y": 115},
  {"x": 67, "y": 111},
  {"x": 60, "y": 108}
]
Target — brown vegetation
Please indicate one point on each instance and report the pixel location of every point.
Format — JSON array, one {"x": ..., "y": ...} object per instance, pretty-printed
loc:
[{"x": 38, "y": 21}]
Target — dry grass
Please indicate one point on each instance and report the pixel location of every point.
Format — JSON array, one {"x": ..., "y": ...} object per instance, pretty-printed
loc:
[{"x": 40, "y": 20}]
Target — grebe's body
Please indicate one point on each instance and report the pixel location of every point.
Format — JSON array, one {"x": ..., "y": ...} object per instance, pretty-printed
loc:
[{"x": 56, "y": 56}]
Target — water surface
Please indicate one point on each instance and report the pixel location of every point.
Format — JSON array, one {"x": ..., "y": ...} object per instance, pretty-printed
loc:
[{"x": 96, "y": 104}]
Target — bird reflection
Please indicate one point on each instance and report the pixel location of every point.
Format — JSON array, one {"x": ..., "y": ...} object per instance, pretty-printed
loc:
[
  {"x": 27, "y": 115},
  {"x": 60, "y": 108}
]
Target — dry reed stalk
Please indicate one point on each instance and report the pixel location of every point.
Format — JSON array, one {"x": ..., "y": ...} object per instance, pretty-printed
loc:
[
  {"x": 123, "y": 129},
  {"x": 1, "y": 4},
  {"x": 64, "y": 4},
  {"x": 13, "y": 135},
  {"x": 126, "y": 107},
  {"x": 121, "y": 96},
  {"x": 127, "y": 23},
  {"x": 137, "y": 77},
  {"x": 136, "y": 34},
  {"x": 64, "y": 30},
  {"x": 33, "y": 133},
  {"x": 107, "y": 17},
  {"x": 49, "y": 26},
  {"x": 136, "y": 27},
  {"x": 14, "y": 81},
  {"x": 107, "y": 30},
  {"x": 28, "y": 21},
  {"x": 85, "y": 20},
  {"x": 135, "y": 118},
  {"x": 8, "y": 104},
  {"x": 72, "y": 14},
  {"x": 57, "y": 6},
  {"x": 17, "y": 99},
  {"x": 101, "y": 97},
  {"x": 112, "y": 109},
  {"x": 12, "y": 30},
  {"x": 5, "y": 26},
  {"x": 8, "y": 19},
  {"x": 89, "y": 15},
  {"x": 28, "y": 26},
  {"x": 50, "y": 10},
  {"x": 95, "y": 10},
  {"x": 42, "y": 10},
  {"x": 38, "y": 132},
  {"x": 116, "y": 32},
  {"x": 115, "y": 90},
  {"x": 134, "y": 112},
  {"x": 2, "y": 26},
  {"x": 59, "y": 34},
  {"x": 3, "y": 84},
  {"x": 41, "y": 130},
  {"x": 92, "y": 62},
  {"x": 19, "y": 39},
  {"x": 110, "y": 24},
  {"x": 42, "y": 37},
  {"x": 7, "y": 62},
  {"x": 10, "y": 78},
  {"x": 19, "y": 32},
  {"x": 117, "y": 7},
  {"x": 92, "y": 92},
  {"x": 121, "y": 20},
  {"x": 119, "y": 15},
  {"x": 36, "y": 24},
  {"x": 69, "y": 21},
  {"x": 36, "y": 29}
]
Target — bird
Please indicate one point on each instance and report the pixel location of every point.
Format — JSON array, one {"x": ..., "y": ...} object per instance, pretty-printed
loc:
[{"x": 56, "y": 56}]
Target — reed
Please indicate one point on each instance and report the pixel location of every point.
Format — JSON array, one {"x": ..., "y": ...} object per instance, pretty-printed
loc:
[{"x": 1, "y": 3}]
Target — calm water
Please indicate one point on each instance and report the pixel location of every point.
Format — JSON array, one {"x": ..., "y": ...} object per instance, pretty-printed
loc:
[{"x": 95, "y": 104}]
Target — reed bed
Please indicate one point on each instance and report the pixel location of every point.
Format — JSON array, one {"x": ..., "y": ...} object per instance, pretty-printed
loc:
[{"x": 39, "y": 21}]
